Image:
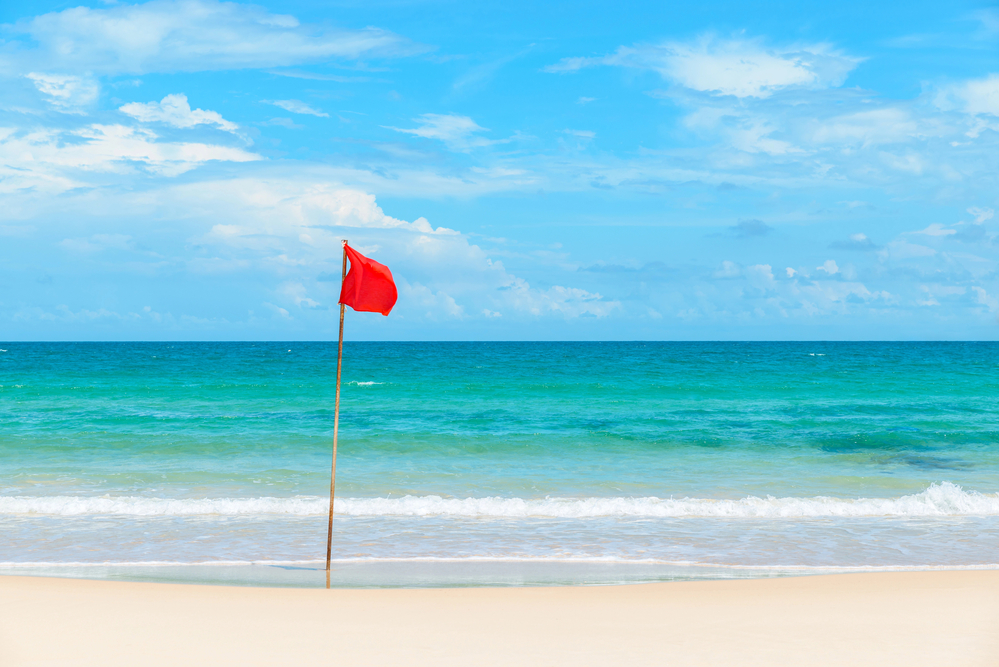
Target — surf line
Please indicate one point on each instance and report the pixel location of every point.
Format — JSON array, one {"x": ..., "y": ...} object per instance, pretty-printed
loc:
[{"x": 367, "y": 288}]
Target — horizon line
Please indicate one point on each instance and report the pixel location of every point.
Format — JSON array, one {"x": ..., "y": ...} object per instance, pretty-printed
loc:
[{"x": 334, "y": 341}]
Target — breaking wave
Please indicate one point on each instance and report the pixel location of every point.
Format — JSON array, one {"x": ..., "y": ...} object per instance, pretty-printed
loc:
[{"x": 939, "y": 500}]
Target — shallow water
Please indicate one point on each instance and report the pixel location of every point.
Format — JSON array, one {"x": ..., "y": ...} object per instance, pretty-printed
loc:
[{"x": 668, "y": 459}]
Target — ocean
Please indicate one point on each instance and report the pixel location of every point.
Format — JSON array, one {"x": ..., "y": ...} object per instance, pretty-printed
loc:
[{"x": 497, "y": 463}]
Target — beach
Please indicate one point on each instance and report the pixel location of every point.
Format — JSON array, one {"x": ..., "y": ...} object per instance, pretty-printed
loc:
[
  {"x": 897, "y": 618},
  {"x": 524, "y": 504},
  {"x": 556, "y": 334}
]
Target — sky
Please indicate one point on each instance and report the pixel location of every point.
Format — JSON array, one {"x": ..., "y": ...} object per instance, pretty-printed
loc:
[{"x": 185, "y": 169}]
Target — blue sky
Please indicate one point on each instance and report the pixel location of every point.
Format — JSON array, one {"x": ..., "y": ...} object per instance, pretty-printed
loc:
[{"x": 585, "y": 170}]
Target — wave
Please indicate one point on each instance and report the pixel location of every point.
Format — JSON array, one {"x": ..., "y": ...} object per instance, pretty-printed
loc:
[
  {"x": 537, "y": 560},
  {"x": 939, "y": 500}
]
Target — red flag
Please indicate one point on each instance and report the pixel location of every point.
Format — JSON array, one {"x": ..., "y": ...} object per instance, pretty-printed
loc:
[{"x": 368, "y": 286}]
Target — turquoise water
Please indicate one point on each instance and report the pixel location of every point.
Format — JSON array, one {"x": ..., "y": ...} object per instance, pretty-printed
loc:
[{"x": 672, "y": 457}]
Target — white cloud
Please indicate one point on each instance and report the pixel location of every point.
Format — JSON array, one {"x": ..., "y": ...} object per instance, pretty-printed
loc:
[
  {"x": 839, "y": 292},
  {"x": 457, "y": 132},
  {"x": 900, "y": 249},
  {"x": 754, "y": 294},
  {"x": 476, "y": 76},
  {"x": 63, "y": 312},
  {"x": 760, "y": 276},
  {"x": 975, "y": 96},
  {"x": 52, "y": 160},
  {"x": 433, "y": 304},
  {"x": 936, "y": 229},
  {"x": 297, "y": 106},
  {"x": 190, "y": 35},
  {"x": 257, "y": 224},
  {"x": 911, "y": 162},
  {"x": 297, "y": 293},
  {"x": 878, "y": 126},
  {"x": 287, "y": 123},
  {"x": 981, "y": 214},
  {"x": 754, "y": 137},
  {"x": 282, "y": 235},
  {"x": 830, "y": 267},
  {"x": 858, "y": 241},
  {"x": 582, "y": 134},
  {"x": 742, "y": 68},
  {"x": 569, "y": 302},
  {"x": 262, "y": 210},
  {"x": 175, "y": 110},
  {"x": 983, "y": 297},
  {"x": 930, "y": 300},
  {"x": 64, "y": 92},
  {"x": 728, "y": 269},
  {"x": 277, "y": 310},
  {"x": 934, "y": 292}
]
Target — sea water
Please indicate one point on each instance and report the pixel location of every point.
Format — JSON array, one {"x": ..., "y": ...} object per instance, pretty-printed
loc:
[{"x": 496, "y": 463}]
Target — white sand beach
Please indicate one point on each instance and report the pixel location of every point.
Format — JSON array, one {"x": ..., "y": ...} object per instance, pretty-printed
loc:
[{"x": 897, "y": 618}]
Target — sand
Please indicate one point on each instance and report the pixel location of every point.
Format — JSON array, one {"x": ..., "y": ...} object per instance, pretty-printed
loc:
[{"x": 898, "y": 618}]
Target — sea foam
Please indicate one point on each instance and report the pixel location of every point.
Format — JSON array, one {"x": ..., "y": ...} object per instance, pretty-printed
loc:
[{"x": 939, "y": 500}]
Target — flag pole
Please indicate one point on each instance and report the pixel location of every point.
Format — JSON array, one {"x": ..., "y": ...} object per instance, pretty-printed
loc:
[{"x": 336, "y": 421}]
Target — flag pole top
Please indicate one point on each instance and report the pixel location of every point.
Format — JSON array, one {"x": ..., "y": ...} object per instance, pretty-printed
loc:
[{"x": 343, "y": 242}]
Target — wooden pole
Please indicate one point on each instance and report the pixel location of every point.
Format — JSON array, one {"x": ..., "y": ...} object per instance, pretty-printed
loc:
[{"x": 336, "y": 422}]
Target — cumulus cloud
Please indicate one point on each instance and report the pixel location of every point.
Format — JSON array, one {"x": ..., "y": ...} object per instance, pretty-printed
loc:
[
  {"x": 293, "y": 228},
  {"x": 436, "y": 305},
  {"x": 188, "y": 35},
  {"x": 176, "y": 111},
  {"x": 737, "y": 67},
  {"x": 756, "y": 120},
  {"x": 297, "y": 106},
  {"x": 829, "y": 267},
  {"x": 285, "y": 232}
]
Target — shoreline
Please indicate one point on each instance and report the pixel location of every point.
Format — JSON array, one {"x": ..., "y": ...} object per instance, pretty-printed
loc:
[
  {"x": 423, "y": 573},
  {"x": 880, "y": 618}
]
